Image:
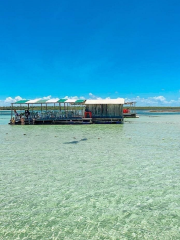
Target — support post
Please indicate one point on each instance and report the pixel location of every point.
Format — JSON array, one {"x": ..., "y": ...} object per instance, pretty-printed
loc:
[
  {"x": 11, "y": 110},
  {"x": 64, "y": 109}
]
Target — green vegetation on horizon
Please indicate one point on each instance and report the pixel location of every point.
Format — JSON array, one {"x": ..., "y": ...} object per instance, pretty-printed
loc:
[
  {"x": 157, "y": 108},
  {"x": 36, "y": 108},
  {"x": 57, "y": 108}
]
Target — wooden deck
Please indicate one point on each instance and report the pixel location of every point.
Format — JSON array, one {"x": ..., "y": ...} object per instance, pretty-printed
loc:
[
  {"x": 53, "y": 121},
  {"x": 68, "y": 121}
]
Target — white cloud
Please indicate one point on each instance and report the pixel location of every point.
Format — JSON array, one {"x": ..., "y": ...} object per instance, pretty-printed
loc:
[
  {"x": 82, "y": 98},
  {"x": 9, "y": 100},
  {"x": 159, "y": 98},
  {"x": 140, "y": 101},
  {"x": 74, "y": 97},
  {"x": 46, "y": 98},
  {"x": 92, "y": 96},
  {"x": 150, "y": 101},
  {"x": 154, "y": 101},
  {"x": 12, "y": 100}
]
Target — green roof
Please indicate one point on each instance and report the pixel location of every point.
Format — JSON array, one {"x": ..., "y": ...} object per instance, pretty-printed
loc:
[
  {"x": 21, "y": 101},
  {"x": 79, "y": 101},
  {"x": 41, "y": 101},
  {"x": 62, "y": 100}
]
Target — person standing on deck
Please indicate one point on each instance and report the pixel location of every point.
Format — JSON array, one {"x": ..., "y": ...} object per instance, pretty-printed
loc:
[
  {"x": 15, "y": 113},
  {"x": 27, "y": 113}
]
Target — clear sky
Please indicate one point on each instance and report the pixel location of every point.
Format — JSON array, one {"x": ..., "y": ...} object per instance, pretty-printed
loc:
[{"x": 90, "y": 48}]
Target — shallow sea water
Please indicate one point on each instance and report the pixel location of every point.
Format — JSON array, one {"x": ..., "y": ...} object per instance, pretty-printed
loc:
[{"x": 91, "y": 181}]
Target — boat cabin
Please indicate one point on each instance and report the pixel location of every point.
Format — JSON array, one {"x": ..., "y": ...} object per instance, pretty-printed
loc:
[{"x": 106, "y": 110}]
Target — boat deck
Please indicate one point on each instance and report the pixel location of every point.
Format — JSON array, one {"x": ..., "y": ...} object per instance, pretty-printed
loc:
[
  {"x": 67, "y": 121},
  {"x": 52, "y": 121}
]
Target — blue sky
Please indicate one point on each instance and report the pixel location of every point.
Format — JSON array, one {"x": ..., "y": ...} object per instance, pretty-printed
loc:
[{"x": 85, "y": 48}]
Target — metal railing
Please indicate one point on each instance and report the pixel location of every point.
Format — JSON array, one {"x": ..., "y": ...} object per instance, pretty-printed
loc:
[{"x": 51, "y": 115}]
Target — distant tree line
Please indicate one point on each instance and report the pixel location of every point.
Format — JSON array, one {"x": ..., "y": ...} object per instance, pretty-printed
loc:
[{"x": 77, "y": 107}]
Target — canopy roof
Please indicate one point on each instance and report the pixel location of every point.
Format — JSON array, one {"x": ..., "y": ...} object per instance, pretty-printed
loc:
[
  {"x": 105, "y": 101},
  {"x": 49, "y": 101},
  {"x": 21, "y": 101},
  {"x": 41, "y": 101},
  {"x": 71, "y": 101},
  {"x": 62, "y": 100}
]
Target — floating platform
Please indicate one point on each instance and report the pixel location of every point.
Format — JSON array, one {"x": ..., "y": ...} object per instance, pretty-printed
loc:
[
  {"x": 67, "y": 111},
  {"x": 67, "y": 121}
]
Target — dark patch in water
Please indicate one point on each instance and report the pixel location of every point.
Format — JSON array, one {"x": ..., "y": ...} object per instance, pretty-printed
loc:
[
  {"x": 73, "y": 142},
  {"x": 83, "y": 139}
]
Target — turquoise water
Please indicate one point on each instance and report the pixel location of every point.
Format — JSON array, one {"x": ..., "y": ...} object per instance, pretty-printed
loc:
[{"x": 92, "y": 181}]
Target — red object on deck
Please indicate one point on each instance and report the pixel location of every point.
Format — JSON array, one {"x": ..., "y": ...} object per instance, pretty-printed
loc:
[
  {"x": 88, "y": 114},
  {"x": 126, "y": 110}
]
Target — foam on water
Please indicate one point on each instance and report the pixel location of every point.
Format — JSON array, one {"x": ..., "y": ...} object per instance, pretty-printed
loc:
[{"x": 92, "y": 181}]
